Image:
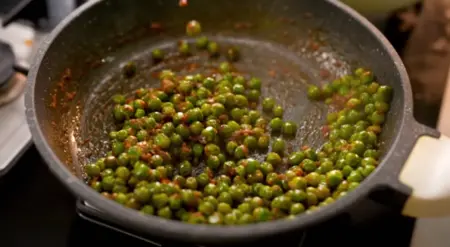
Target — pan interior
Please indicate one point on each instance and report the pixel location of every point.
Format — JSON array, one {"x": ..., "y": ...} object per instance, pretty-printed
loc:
[
  {"x": 285, "y": 78},
  {"x": 286, "y": 43}
]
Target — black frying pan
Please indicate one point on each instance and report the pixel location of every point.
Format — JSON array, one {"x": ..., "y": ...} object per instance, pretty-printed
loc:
[{"x": 78, "y": 68}]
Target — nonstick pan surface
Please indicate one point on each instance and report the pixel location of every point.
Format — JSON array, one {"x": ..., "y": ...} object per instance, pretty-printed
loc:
[{"x": 288, "y": 44}]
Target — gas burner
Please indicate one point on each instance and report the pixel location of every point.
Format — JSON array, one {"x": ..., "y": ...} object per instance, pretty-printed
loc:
[
  {"x": 12, "y": 89},
  {"x": 12, "y": 83}
]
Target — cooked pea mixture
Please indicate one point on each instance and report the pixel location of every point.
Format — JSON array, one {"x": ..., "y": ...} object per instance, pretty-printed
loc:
[{"x": 197, "y": 150}]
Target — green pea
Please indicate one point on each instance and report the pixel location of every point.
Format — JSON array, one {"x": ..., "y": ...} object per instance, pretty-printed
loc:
[
  {"x": 308, "y": 165},
  {"x": 251, "y": 142},
  {"x": 314, "y": 92},
  {"x": 185, "y": 168},
  {"x": 213, "y": 49},
  {"x": 263, "y": 142},
  {"x": 213, "y": 162},
  {"x": 276, "y": 124},
  {"x": 274, "y": 159},
  {"x": 268, "y": 104},
  {"x": 202, "y": 42},
  {"x": 278, "y": 146},
  {"x": 184, "y": 48},
  {"x": 278, "y": 111},
  {"x": 355, "y": 176}
]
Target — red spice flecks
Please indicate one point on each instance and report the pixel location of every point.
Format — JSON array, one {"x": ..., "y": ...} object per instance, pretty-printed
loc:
[
  {"x": 243, "y": 25},
  {"x": 67, "y": 75},
  {"x": 183, "y": 3},
  {"x": 155, "y": 74},
  {"x": 324, "y": 73},
  {"x": 156, "y": 26},
  {"x": 222, "y": 118},
  {"x": 185, "y": 148},
  {"x": 253, "y": 105},
  {"x": 192, "y": 67},
  {"x": 61, "y": 86},
  {"x": 129, "y": 100},
  {"x": 232, "y": 172},
  {"x": 167, "y": 85},
  {"x": 53, "y": 102},
  {"x": 85, "y": 141},
  {"x": 272, "y": 73},
  {"x": 346, "y": 147},
  {"x": 197, "y": 214},
  {"x": 305, "y": 147},
  {"x": 146, "y": 156},
  {"x": 314, "y": 46},
  {"x": 197, "y": 194},
  {"x": 165, "y": 181},
  {"x": 70, "y": 96},
  {"x": 325, "y": 130},
  {"x": 210, "y": 174}
]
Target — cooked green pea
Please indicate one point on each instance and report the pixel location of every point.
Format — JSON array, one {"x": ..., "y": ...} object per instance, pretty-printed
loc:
[
  {"x": 263, "y": 142},
  {"x": 308, "y": 165},
  {"x": 213, "y": 162},
  {"x": 213, "y": 49},
  {"x": 92, "y": 170},
  {"x": 276, "y": 124},
  {"x": 241, "y": 152},
  {"x": 268, "y": 104},
  {"x": 314, "y": 92},
  {"x": 274, "y": 159},
  {"x": 251, "y": 142},
  {"x": 296, "y": 158},
  {"x": 157, "y": 55},
  {"x": 289, "y": 128},
  {"x": 162, "y": 141},
  {"x": 184, "y": 48},
  {"x": 202, "y": 42},
  {"x": 278, "y": 111},
  {"x": 278, "y": 146}
]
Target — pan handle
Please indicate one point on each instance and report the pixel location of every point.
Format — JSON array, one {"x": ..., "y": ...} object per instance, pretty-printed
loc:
[{"x": 427, "y": 173}]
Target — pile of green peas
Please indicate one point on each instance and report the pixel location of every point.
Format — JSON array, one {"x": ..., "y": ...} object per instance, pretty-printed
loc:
[{"x": 197, "y": 150}]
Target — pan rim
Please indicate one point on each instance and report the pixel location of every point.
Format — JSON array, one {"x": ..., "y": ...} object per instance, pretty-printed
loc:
[{"x": 180, "y": 231}]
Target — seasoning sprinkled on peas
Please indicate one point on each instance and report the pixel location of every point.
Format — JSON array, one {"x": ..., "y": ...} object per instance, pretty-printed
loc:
[{"x": 197, "y": 149}]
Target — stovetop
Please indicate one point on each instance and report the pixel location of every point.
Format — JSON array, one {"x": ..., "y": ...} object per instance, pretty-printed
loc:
[{"x": 23, "y": 25}]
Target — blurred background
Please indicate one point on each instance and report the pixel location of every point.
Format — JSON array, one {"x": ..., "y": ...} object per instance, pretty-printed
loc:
[{"x": 38, "y": 207}]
